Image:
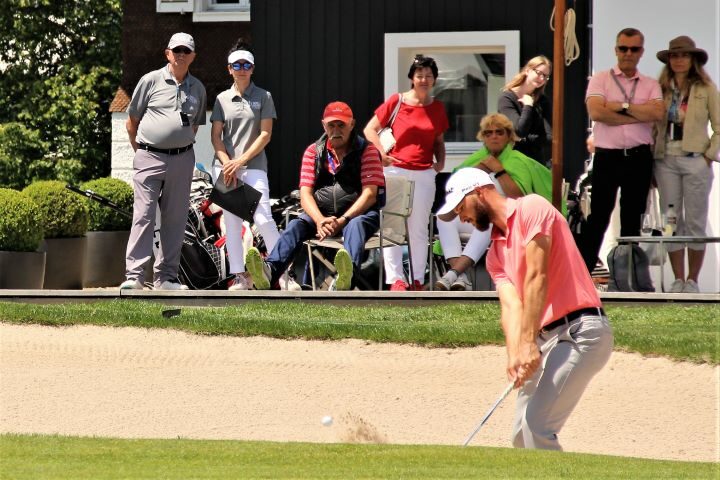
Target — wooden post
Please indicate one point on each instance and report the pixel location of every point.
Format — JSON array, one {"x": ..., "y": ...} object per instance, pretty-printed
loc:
[{"x": 558, "y": 103}]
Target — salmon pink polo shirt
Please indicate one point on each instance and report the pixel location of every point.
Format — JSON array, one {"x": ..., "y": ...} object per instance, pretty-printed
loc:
[
  {"x": 569, "y": 286},
  {"x": 623, "y": 136}
]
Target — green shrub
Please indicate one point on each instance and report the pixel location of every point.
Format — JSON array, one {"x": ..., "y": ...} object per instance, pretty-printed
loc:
[
  {"x": 21, "y": 224},
  {"x": 105, "y": 219},
  {"x": 64, "y": 213},
  {"x": 21, "y": 153}
]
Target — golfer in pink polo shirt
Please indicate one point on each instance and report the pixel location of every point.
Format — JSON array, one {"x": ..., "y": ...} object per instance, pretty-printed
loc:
[{"x": 556, "y": 332}]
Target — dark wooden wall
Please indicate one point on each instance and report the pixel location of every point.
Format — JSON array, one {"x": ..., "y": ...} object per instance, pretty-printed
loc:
[
  {"x": 146, "y": 34},
  {"x": 310, "y": 52}
]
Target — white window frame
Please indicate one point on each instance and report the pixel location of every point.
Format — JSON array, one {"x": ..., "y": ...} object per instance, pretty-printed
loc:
[
  {"x": 400, "y": 49},
  {"x": 207, "y": 11},
  {"x": 174, "y": 7}
]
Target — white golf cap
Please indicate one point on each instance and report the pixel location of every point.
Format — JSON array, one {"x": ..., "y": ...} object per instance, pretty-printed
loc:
[
  {"x": 458, "y": 185},
  {"x": 181, "y": 40}
]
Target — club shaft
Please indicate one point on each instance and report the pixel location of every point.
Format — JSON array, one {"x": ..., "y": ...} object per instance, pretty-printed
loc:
[{"x": 504, "y": 395}]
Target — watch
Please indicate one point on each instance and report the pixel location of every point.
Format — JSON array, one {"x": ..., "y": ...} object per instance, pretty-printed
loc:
[
  {"x": 625, "y": 108},
  {"x": 500, "y": 173}
]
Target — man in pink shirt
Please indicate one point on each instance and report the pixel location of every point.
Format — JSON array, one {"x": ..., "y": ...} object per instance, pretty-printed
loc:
[
  {"x": 556, "y": 332},
  {"x": 623, "y": 105}
]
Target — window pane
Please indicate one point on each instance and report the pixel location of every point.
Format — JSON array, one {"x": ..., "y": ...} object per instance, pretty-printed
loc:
[
  {"x": 228, "y": 5},
  {"x": 469, "y": 86}
]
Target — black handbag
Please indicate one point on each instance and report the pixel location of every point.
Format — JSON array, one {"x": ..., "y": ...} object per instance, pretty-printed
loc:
[{"x": 241, "y": 200}]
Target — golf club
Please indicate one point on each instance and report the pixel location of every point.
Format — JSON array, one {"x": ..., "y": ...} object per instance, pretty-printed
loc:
[{"x": 505, "y": 393}]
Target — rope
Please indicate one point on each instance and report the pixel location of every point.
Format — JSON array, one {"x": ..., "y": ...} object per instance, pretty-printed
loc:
[{"x": 571, "y": 46}]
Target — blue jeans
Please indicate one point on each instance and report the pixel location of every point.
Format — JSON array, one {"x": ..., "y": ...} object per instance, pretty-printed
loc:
[{"x": 303, "y": 228}]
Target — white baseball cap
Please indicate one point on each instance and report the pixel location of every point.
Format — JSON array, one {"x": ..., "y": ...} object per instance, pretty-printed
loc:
[
  {"x": 458, "y": 185},
  {"x": 181, "y": 40}
]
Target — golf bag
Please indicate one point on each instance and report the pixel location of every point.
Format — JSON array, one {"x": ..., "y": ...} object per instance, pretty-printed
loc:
[
  {"x": 578, "y": 205},
  {"x": 203, "y": 262}
]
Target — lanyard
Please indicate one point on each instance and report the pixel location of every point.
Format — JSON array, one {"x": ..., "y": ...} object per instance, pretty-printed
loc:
[{"x": 628, "y": 99}]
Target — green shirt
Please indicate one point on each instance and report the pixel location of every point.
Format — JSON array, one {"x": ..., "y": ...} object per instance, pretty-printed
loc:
[{"x": 529, "y": 175}]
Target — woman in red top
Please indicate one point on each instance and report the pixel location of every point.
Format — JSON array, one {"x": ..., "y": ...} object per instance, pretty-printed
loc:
[{"x": 419, "y": 129}]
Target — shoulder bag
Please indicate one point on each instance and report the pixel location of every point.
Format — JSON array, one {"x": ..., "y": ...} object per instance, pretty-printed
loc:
[{"x": 387, "y": 139}]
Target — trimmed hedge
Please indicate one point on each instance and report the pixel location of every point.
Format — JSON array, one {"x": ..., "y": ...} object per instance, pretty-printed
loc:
[
  {"x": 64, "y": 213},
  {"x": 21, "y": 224},
  {"x": 105, "y": 219}
]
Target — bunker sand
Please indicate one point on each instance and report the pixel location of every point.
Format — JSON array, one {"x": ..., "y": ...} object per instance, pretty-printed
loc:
[{"x": 135, "y": 383}]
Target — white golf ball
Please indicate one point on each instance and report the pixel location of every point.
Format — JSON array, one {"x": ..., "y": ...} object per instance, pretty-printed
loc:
[{"x": 327, "y": 420}]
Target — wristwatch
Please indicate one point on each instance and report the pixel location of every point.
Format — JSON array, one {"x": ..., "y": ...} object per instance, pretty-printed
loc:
[{"x": 625, "y": 108}]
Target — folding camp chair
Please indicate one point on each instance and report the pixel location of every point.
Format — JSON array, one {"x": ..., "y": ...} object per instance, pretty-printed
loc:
[{"x": 393, "y": 229}]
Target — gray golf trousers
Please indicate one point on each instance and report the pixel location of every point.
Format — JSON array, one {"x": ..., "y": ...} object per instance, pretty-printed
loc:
[
  {"x": 156, "y": 174},
  {"x": 547, "y": 399}
]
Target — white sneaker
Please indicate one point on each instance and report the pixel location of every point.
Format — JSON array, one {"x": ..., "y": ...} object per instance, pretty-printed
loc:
[
  {"x": 170, "y": 285},
  {"x": 462, "y": 284},
  {"x": 131, "y": 284},
  {"x": 691, "y": 286},
  {"x": 677, "y": 286},
  {"x": 288, "y": 283},
  {"x": 446, "y": 281},
  {"x": 240, "y": 282}
]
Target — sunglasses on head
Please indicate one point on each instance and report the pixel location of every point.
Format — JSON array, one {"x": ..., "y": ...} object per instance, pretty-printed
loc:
[
  {"x": 241, "y": 66},
  {"x": 498, "y": 131},
  {"x": 184, "y": 50},
  {"x": 625, "y": 48}
]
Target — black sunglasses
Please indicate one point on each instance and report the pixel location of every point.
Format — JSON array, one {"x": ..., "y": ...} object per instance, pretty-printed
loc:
[
  {"x": 184, "y": 50},
  {"x": 625, "y": 48},
  {"x": 241, "y": 66}
]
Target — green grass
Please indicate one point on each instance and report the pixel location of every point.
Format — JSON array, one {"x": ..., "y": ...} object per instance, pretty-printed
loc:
[
  {"x": 53, "y": 457},
  {"x": 682, "y": 332}
]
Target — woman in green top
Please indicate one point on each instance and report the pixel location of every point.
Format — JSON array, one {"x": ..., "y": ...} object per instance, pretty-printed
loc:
[{"x": 514, "y": 174}]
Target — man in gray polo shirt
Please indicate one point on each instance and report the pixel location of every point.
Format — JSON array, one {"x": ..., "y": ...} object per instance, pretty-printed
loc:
[{"x": 165, "y": 111}]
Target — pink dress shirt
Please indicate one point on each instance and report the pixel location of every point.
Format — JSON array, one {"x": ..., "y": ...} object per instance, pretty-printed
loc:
[{"x": 623, "y": 136}]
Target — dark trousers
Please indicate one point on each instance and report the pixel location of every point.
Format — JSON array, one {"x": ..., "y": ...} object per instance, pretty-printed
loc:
[
  {"x": 303, "y": 228},
  {"x": 631, "y": 171}
]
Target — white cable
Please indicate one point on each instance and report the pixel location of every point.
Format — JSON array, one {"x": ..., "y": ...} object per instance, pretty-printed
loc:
[{"x": 571, "y": 46}]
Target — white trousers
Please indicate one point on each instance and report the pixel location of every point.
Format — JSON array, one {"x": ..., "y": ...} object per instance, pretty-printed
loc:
[
  {"x": 418, "y": 225},
  {"x": 449, "y": 233},
  {"x": 263, "y": 218}
]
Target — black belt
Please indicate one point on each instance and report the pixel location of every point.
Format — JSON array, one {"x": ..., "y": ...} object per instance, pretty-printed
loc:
[
  {"x": 167, "y": 151},
  {"x": 625, "y": 152},
  {"x": 572, "y": 316}
]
